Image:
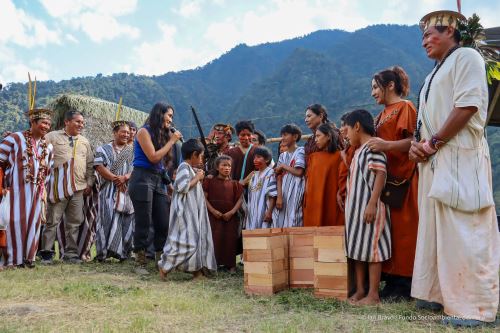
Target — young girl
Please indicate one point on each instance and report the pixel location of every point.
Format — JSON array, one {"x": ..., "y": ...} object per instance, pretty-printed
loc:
[
  {"x": 322, "y": 180},
  {"x": 261, "y": 191},
  {"x": 368, "y": 237},
  {"x": 290, "y": 180},
  {"x": 189, "y": 246},
  {"x": 224, "y": 198}
]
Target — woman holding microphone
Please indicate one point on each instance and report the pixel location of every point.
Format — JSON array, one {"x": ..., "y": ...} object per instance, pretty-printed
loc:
[{"x": 154, "y": 150}]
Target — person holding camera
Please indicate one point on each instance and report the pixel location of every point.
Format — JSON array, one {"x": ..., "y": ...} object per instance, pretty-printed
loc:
[{"x": 154, "y": 149}]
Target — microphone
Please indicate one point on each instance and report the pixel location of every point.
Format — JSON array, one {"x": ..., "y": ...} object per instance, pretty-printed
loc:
[{"x": 173, "y": 130}]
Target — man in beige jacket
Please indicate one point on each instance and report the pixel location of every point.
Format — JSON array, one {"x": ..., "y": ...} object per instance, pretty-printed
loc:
[{"x": 69, "y": 144}]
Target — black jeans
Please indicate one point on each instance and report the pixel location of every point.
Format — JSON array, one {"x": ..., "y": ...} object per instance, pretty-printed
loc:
[{"x": 151, "y": 206}]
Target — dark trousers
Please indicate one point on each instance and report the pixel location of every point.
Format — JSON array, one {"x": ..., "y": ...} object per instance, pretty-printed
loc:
[{"x": 151, "y": 206}]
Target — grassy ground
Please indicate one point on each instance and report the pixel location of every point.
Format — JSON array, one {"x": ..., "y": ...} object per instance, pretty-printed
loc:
[{"x": 110, "y": 297}]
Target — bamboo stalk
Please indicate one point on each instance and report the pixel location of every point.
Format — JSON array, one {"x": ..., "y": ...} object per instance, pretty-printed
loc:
[{"x": 303, "y": 137}]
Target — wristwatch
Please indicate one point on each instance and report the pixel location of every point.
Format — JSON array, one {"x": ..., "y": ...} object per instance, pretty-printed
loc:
[{"x": 436, "y": 142}]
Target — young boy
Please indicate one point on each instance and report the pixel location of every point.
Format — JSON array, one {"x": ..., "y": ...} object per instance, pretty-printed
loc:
[
  {"x": 261, "y": 191},
  {"x": 290, "y": 180},
  {"x": 189, "y": 246}
]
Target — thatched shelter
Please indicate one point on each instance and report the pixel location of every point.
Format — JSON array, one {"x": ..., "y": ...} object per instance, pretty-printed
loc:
[{"x": 98, "y": 115}]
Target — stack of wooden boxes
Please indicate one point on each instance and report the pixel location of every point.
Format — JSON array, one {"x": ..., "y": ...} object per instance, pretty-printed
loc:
[
  {"x": 301, "y": 255},
  {"x": 265, "y": 257},
  {"x": 330, "y": 263}
]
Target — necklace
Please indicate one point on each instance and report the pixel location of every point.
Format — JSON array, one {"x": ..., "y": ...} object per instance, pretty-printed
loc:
[
  {"x": 260, "y": 183},
  {"x": 419, "y": 122},
  {"x": 31, "y": 154}
]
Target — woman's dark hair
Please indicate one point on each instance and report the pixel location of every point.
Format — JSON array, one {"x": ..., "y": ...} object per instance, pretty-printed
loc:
[
  {"x": 365, "y": 120},
  {"x": 244, "y": 125},
  {"x": 319, "y": 110},
  {"x": 159, "y": 134},
  {"x": 293, "y": 130},
  {"x": 190, "y": 147},
  {"x": 397, "y": 75},
  {"x": 344, "y": 116},
  {"x": 261, "y": 137},
  {"x": 131, "y": 124},
  {"x": 456, "y": 34},
  {"x": 264, "y": 152},
  {"x": 330, "y": 131}
]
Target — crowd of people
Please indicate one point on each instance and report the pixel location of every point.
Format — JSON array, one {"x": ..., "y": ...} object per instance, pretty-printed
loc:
[{"x": 412, "y": 187}]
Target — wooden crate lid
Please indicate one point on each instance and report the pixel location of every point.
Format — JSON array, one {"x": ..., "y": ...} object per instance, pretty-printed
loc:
[
  {"x": 300, "y": 230},
  {"x": 331, "y": 231},
  {"x": 267, "y": 232}
]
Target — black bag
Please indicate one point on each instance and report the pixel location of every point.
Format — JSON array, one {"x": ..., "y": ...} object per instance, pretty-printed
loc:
[{"x": 394, "y": 192}]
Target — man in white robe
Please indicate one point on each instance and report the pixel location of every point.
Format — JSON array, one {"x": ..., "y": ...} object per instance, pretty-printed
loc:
[{"x": 458, "y": 245}]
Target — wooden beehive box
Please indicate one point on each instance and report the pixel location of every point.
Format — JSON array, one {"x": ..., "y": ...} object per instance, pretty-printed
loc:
[
  {"x": 330, "y": 263},
  {"x": 301, "y": 255},
  {"x": 265, "y": 256}
]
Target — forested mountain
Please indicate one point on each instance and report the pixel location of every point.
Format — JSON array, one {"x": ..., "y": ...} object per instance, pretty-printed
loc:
[{"x": 270, "y": 83}]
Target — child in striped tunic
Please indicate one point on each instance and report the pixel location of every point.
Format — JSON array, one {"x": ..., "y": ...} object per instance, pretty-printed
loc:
[
  {"x": 367, "y": 224},
  {"x": 290, "y": 180},
  {"x": 262, "y": 191},
  {"x": 189, "y": 246}
]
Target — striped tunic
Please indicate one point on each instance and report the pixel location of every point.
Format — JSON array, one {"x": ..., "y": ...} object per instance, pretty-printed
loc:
[
  {"x": 292, "y": 188},
  {"x": 261, "y": 187},
  {"x": 114, "y": 229},
  {"x": 23, "y": 231},
  {"x": 189, "y": 246},
  {"x": 366, "y": 242}
]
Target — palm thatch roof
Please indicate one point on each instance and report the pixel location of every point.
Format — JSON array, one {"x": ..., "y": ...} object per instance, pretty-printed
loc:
[{"x": 98, "y": 115}]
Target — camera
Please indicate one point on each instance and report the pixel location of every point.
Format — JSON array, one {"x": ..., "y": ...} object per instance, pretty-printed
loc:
[{"x": 165, "y": 178}]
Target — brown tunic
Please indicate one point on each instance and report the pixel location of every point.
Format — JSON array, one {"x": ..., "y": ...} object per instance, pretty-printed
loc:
[
  {"x": 223, "y": 195},
  {"x": 397, "y": 122},
  {"x": 237, "y": 155}
]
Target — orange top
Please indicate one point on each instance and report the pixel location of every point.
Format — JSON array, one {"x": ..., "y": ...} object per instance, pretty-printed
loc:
[
  {"x": 397, "y": 122},
  {"x": 320, "y": 197}
]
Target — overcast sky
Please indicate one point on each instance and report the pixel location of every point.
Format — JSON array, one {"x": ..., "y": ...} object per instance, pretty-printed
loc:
[{"x": 61, "y": 39}]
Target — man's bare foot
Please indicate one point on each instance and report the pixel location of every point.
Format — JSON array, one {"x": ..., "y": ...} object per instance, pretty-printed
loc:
[
  {"x": 369, "y": 300},
  {"x": 163, "y": 275},
  {"x": 356, "y": 297},
  {"x": 232, "y": 270}
]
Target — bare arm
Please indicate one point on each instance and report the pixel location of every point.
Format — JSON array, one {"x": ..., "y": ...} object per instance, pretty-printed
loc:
[
  {"x": 279, "y": 199},
  {"x": 297, "y": 172},
  {"x": 381, "y": 145},
  {"x": 455, "y": 122},
  {"x": 200, "y": 174},
  {"x": 155, "y": 156},
  {"x": 105, "y": 173},
  {"x": 371, "y": 208}
]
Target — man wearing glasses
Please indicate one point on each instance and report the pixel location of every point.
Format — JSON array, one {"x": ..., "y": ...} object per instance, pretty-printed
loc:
[{"x": 73, "y": 157}]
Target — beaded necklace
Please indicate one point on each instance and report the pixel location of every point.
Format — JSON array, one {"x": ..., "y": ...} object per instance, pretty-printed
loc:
[
  {"x": 31, "y": 153},
  {"x": 419, "y": 122}
]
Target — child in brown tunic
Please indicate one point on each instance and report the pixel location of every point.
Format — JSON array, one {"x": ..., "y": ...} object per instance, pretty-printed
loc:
[{"x": 224, "y": 198}]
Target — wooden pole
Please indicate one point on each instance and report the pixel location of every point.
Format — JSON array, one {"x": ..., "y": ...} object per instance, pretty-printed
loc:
[{"x": 303, "y": 137}]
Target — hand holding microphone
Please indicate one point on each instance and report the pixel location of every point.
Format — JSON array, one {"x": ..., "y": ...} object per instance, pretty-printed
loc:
[{"x": 176, "y": 135}]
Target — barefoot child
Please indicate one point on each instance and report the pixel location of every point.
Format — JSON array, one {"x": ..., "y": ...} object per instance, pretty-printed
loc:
[
  {"x": 290, "y": 180},
  {"x": 367, "y": 226},
  {"x": 224, "y": 198},
  {"x": 189, "y": 246},
  {"x": 261, "y": 191}
]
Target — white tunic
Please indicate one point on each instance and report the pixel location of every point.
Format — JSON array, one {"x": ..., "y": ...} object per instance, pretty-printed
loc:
[{"x": 458, "y": 245}]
